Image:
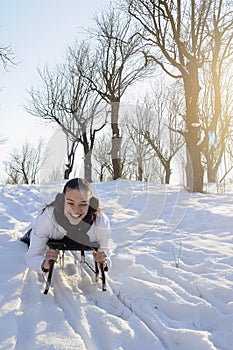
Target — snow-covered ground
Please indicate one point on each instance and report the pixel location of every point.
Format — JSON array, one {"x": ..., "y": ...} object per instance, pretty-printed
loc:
[{"x": 170, "y": 285}]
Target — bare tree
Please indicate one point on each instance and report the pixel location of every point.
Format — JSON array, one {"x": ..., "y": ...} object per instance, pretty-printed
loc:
[
  {"x": 6, "y": 56},
  {"x": 153, "y": 126},
  {"x": 71, "y": 151},
  {"x": 135, "y": 121},
  {"x": 118, "y": 65},
  {"x": 228, "y": 159},
  {"x": 24, "y": 164},
  {"x": 68, "y": 101},
  {"x": 55, "y": 174},
  {"x": 176, "y": 35},
  {"x": 216, "y": 119},
  {"x": 102, "y": 156},
  {"x": 102, "y": 160}
]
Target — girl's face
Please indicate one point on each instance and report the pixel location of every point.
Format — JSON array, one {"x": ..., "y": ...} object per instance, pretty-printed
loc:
[{"x": 76, "y": 205}]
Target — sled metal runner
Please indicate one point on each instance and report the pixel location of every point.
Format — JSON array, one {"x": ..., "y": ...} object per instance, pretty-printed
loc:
[{"x": 68, "y": 244}]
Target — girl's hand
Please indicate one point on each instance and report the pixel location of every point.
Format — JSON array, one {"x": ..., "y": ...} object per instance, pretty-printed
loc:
[
  {"x": 51, "y": 254},
  {"x": 100, "y": 256}
]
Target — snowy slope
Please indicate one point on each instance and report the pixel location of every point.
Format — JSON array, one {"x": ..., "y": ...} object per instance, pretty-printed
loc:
[{"x": 170, "y": 285}]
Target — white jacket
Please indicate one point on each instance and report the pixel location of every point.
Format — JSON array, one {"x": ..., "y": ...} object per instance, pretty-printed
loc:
[{"x": 45, "y": 227}]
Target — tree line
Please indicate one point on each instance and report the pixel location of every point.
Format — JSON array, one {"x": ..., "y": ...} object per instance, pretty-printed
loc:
[{"x": 184, "y": 115}]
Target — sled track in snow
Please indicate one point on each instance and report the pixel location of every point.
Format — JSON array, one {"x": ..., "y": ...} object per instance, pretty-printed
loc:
[
  {"x": 127, "y": 303},
  {"x": 120, "y": 305},
  {"x": 27, "y": 311},
  {"x": 77, "y": 294},
  {"x": 34, "y": 317}
]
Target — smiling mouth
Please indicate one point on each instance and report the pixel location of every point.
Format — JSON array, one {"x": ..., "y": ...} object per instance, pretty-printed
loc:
[{"x": 75, "y": 216}]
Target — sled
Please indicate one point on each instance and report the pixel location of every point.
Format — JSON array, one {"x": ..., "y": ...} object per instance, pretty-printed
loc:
[{"x": 70, "y": 245}]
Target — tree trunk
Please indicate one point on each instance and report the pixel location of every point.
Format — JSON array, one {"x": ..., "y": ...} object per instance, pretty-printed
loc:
[
  {"x": 87, "y": 165},
  {"x": 70, "y": 158},
  {"x": 212, "y": 174},
  {"x": 167, "y": 173},
  {"x": 116, "y": 141},
  {"x": 140, "y": 170},
  {"x": 194, "y": 168},
  {"x": 101, "y": 173}
]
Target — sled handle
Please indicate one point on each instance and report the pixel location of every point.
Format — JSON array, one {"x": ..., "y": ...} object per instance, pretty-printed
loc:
[{"x": 48, "y": 282}]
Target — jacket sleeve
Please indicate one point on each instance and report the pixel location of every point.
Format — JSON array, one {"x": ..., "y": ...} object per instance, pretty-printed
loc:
[
  {"x": 101, "y": 232},
  {"x": 39, "y": 237}
]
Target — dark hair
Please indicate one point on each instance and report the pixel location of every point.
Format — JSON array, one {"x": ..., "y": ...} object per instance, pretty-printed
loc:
[{"x": 78, "y": 184}]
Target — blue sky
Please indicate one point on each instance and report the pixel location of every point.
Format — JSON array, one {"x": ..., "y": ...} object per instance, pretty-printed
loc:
[{"x": 39, "y": 33}]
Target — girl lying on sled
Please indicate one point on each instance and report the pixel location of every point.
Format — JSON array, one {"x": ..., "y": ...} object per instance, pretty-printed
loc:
[{"x": 75, "y": 214}]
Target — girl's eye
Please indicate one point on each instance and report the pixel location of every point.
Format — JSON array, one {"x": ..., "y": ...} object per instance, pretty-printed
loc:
[{"x": 81, "y": 204}]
